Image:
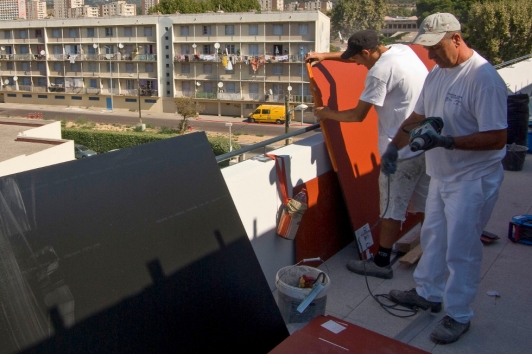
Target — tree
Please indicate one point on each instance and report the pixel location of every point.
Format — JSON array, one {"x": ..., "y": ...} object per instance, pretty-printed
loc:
[
  {"x": 187, "y": 108},
  {"x": 199, "y": 6},
  {"x": 459, "y": 8},
  {"x": 500, "y": 30},
  {"x": 349, "y": 16}
]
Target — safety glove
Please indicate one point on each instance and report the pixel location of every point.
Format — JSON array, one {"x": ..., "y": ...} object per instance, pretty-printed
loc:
[
  {"x": 437, "y": 140},
  {"x": 389, "y": 160}
]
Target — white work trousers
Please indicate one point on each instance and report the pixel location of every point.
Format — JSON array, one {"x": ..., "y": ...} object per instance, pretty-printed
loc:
[{"x": 455, "y": 215}]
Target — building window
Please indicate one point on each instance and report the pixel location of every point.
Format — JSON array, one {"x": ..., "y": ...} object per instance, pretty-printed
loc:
[
  {"x": 147, "y": 31},
  {"x": 128, "y": 31},
  {"x": 303, "y": 28},
  {"x": 253, "y": 30},
  {"x": 230, "y": 48},
  {"x": 185, "y": 68},
  {"x": 58, "y": 67},
  {"x": 42, "y": 96},
  {"x": 150, "y": 100},
  {"x": 229, "y": 30},
  {"x": 7, "y": 34},
  {"x": 184, "y": 31},
  {"x": 11, "y": 95},
  {"x": 73, "y": 33},
  {"x": 110, "y": 67},
  {"x": 9, "y": 65},
  {"x": 206, "y": 49},
  {"x": 55, "y": 33},
  {"x": 41, "y": 66},
  {"x": 92, "y": 67},
  {"x": 25, "y": 66},
  {"x": 149, "y": 68},
  {"x": 90, "y": 32},
  {"x": 93, "y": 83},
  {"x": 38, "y": 33},
  {"x": 277, "y": 69},
  {"x": 129, "y": 67},
  {"x": 24, "y": 50},
  {"x": 26, "y": 95},
  {"x": 207, "y": 68},
  {"x": 23, "y": 34},
  {"x": 94, "y": 98},
  {"x": 59, "y": 97},
  {"x": 74, "y": 67},
  {"x": 108, "y": 31},
  {"x": 131, "y": 100},
  {"x": 254, "y": 88},
  {"x": 278, "y": 29},
  {"x": 231, "y": 87},
  {"x": 206, "y": 30},
  {"x": 26, "y": 81},
  {"x": 253, "y": 49},
  {"x": 76, "y": 98}
]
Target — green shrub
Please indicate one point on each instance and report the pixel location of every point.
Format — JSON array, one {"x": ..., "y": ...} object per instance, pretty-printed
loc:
[{"x": 102, "y": 141}]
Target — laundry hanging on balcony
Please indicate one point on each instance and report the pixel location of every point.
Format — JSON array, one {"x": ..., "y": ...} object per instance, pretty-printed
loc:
[{"x": 257, "y": 62}]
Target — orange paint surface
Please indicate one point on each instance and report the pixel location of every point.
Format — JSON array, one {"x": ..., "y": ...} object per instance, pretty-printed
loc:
[{"x": 354, "y": 145}]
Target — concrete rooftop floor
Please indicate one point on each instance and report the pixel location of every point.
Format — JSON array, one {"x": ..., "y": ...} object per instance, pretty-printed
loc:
[{"x": 500, "y": 325}]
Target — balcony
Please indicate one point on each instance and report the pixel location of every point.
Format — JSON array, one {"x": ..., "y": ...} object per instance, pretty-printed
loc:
[
  {"x": 56, "y": 88},
  {"x": 209, "y": 95},
  {"x": 22, "y": 56},
  {"x": 76, "y": 90},
  {"x": 235, "y": 96},
  {"x": 93, "y": 91}
]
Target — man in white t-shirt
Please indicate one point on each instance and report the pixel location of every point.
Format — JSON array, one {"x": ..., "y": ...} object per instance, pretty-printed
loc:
[
  {"x": 393, "y": 84},
  {"x": 464, "y": 164}
]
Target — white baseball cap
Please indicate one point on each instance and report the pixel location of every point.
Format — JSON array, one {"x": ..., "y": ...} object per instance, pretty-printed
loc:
[{"x": 434, "y": 27}]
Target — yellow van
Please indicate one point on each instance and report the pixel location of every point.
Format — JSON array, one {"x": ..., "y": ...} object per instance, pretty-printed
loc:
[{"x": 268, "y": 113}]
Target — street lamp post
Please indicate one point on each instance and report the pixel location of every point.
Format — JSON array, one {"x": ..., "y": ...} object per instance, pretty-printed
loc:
[
  {"x": 230, "y": 140},
  {"x": 302, "y": 62},
  {"x": 138, "y": 92}
]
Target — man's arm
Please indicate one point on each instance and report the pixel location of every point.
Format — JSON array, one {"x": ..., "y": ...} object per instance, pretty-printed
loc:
[
  {"x": 401, "y": 138},
  {"x": 488, "y": 140},
  {"x": 357, "y": 114},
  {"x": 317, "y": 57}
]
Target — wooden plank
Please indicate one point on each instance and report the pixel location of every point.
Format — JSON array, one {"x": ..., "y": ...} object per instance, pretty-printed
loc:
[
  {"x": 412, "y": 257},
  {"x": 410, "y": 240}
]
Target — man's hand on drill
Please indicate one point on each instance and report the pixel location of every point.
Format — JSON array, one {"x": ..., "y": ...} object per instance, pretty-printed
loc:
[
  {"x": 437, "y": 140},
  {"x": 389, "y": 160}
]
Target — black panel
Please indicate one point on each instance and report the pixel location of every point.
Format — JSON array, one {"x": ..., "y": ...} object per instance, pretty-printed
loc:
[{"x": 79, "y": 236}]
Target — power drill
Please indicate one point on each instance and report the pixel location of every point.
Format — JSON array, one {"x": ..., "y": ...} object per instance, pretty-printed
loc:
[{"x": 419, "y": 137}]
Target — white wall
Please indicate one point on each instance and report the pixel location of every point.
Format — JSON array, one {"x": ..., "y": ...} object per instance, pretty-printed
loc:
[
  {"x": 253, "y": 187},
  {"x": 46, "y": 131},
  {"x": 50, "y": 156}
]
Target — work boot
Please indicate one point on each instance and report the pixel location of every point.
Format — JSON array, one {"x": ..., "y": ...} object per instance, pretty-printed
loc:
[
  {"x": 411, "y": 299},
  {"x": 448, "y": 331},
  {"x": 368, "y": 267}
]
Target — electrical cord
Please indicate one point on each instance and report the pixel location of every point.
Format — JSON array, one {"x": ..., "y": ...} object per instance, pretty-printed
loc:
[{"x": 393, "y": 306}]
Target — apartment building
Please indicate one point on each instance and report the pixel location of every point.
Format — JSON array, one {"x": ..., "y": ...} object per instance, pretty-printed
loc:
[
  {"x": 146, "y": 4},
  {"x": 228, "y": 62},
  {"x": 36, "y": 9},
  {"x": 63, "y": 8},
  {"x": 118, "y": 8},
  {"x": 399, "y": 24},
  {"x": 84, "y": 11},
  {"x": 12, "y": 9},
  {"x": 271, "y": 5}
]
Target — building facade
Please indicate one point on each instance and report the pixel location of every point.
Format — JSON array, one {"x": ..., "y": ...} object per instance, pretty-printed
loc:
[
  {"x": 393, "y": 25},
  {"x": 36, "y": 9},
  {"x": 12, "y": 9},
  {"x": 227, "y": 62},
  {"x": 118, "y": 8},
  {"x": 63, "y": 8},
  {"x": 146, "y": 4},
  {"x": 85, "y": 11}
]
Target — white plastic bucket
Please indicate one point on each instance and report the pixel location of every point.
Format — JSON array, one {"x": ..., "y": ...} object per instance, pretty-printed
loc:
[{"x": 289, "y": 295}]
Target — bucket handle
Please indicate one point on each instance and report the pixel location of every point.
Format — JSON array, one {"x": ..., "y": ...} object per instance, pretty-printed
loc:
[{"x": 318, "y": 277}]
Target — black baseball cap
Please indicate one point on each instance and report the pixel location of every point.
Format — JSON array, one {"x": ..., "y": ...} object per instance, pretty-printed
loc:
[{"x": 365, "y": 39}]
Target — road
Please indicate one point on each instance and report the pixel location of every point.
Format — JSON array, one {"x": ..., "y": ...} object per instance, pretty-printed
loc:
[{"x": 212, "y": 124}]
